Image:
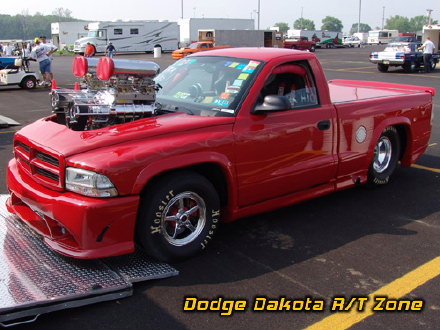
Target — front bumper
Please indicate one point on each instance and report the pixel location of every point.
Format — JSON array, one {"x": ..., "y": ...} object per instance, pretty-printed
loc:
[{"x": 71, "y": 224}]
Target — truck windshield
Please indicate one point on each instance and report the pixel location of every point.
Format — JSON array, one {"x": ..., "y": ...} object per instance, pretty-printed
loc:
[{"x": 206, "y": 85}]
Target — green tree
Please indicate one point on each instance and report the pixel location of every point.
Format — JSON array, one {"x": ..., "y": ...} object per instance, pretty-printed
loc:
[
  {"x": 416, "y": 23},
  {"x": 362, "y": 28},
  {"x": 304, "y": 24},
  {"x": 283, "y": 27},
  {"x": 330, "y": 23},
  {"x": 400, "y": 23}
]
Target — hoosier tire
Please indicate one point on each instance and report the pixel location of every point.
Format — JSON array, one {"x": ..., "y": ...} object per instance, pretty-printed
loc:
[
  {"x": 178, "y": 216},
  {"x": 385, "y": 157}
]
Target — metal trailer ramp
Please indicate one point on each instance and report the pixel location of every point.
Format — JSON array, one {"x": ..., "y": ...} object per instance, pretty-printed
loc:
[{"x": 35, "y": 280}]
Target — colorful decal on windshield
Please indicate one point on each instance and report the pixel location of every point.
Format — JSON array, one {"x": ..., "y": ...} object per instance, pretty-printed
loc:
[
  {"x": 233, "y": 65},
  {"x": 193, "y": 61},
  {"x": 241, "y": 66},
  {"x": 228, "y": 63},
  {"x": 181, "y": 95},
  {"x": 243, "y": 76},
  {"x": 237, "y": 83},
  {"x": 222, "y": 103},
  {"x": 208, "y": 99},
  {"x": 232, "y": 89},
  {"x": 225, "y": 96},
  {"x": 251, "y": 67}
]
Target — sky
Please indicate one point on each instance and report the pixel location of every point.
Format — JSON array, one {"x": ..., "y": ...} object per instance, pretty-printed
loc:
[{"x": 271, "y": 11}]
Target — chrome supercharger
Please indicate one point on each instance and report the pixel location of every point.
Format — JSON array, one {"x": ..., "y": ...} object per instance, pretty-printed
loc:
[{"x": 110, "y": 92}]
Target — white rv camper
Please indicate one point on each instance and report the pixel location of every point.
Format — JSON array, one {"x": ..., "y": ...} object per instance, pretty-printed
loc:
[{"x": 136, "y": 36}]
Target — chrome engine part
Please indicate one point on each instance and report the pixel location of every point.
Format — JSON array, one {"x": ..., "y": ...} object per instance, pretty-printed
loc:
[{"x": 113, "y": 92}]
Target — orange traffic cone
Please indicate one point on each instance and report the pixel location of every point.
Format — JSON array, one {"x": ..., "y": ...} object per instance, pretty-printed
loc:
[
  {"x": 54, "y": 84},
  {"x": 77, "y": 88}
]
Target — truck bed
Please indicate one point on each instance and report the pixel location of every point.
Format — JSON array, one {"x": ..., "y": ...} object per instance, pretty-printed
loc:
[{"x": 342, "y": 91}]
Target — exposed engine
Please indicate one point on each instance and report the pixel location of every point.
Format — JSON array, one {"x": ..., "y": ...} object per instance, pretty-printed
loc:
[{"x": 111, "y": 92}]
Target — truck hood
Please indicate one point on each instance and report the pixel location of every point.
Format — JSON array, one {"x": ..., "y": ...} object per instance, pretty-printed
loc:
[{"x": 49, "y": 135}]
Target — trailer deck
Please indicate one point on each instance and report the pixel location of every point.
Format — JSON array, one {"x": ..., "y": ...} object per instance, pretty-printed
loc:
[{"x": 35, "y": 280}]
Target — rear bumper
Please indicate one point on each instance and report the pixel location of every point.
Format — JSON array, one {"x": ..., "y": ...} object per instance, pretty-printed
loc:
[
  {"x": 71, "y": 224},
  {"x": 388, "y": 62}
]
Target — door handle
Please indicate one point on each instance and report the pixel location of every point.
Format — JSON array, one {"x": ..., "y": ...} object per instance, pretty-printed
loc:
[{"x": 323, "y": 125}]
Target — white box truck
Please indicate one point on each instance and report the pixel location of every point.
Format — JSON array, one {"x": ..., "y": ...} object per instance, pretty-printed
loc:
[
  {"x": 135, "y": 36},
  {"x": 64, "y": 34},
  {"x": 189, "y": 27},
  {"x": 433, "y": 32}
]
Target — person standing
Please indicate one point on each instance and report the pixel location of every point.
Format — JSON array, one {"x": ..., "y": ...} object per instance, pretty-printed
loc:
[
  {"x": 8, "y": 49},
  {"x": 90, "y": 50},
  {"x": 428, "y": 49},
  {"x": 41, "y": 54},
  {"x": 50, "y": 48},
  {"x": 110, "y": 50}
]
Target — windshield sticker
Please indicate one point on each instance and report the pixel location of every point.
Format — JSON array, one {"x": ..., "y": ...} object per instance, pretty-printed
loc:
[
  {"x": 232, "y": 89},
  {"x": 227, "y": 110},
  {"x": 228, "y": 63},
  {"x": 192, "y": 61},
  {"x": 251, "y": 67},
  {"x": 233, "y": 65},
  {"x": 241, "y": 66},
  {"x": 225, "y": 96},
  {"x": 238, "y": 83},
  {"x": 222, "y": 103},
  {"x": 181, "y": 95},
  {"x": 208, "y": 99},
  {"x": 243, "y": 76}
]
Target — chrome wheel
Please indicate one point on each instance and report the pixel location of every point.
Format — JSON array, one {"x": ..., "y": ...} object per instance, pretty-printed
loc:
[
  {"x": 183, "y": 218},
  {"x": 382, "y": 154}
]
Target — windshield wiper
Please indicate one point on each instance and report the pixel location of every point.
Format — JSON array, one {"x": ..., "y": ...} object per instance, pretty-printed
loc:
[{"x": 171, "y": 109}]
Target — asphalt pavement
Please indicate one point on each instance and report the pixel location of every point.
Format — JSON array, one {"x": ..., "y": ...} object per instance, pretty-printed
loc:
[{"x": 353, "y": 243}]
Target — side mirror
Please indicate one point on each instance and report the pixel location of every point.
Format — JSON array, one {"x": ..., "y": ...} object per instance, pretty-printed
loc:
[{"x": 273, "y": 103}]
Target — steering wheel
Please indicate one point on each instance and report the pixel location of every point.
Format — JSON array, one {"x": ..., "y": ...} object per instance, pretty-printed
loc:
[{"x": 195, "y": 90}]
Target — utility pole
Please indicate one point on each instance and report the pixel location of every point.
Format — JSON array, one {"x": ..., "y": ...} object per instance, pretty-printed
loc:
[
  {"x": 301, "y": 27},
  {"x": 429, "y": 15},
  {"x": 181, "y": 7},
  {"x": 258, "y": 13},
  {"x": 359, "y": 19},
  {"x": 383, "y": 16}
]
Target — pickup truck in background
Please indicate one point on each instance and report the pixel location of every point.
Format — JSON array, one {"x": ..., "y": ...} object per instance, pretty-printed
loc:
[
  {"x": 234, "y": 132},
  {"x": 194, "y": 48},
  {"x": 404, "y": 54},
  {"x": 300, "y": 43}
]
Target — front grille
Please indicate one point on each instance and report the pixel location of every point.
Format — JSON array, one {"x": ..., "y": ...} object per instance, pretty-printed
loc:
[
  {"x": 48, "y": 158},
  {"x": 47, "y": 174},
  {"x": 45, "y": 168}
]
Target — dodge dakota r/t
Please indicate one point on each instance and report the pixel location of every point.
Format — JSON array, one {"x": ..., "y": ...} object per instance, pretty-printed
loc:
[{"x": 218, "y": 135}]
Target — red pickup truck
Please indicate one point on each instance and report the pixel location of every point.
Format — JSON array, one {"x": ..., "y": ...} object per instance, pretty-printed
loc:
[
  {"x": 234, "y": 132},
  {"x": 301, "y": 43}
]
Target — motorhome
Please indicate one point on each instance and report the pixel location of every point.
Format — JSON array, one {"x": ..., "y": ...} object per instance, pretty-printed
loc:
[
  {"x": 381, "y": 36},
  {"x": 135, "y": 36}
]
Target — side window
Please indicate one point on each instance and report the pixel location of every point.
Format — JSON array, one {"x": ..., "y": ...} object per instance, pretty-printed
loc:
[
  {"x": 294, "y": 81},
  {"x": 117, "y": 31},
  {"x": 134, "y": 31}
]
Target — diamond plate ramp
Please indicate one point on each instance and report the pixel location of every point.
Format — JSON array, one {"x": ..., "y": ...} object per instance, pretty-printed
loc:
[{"x": 36, "y": 280}]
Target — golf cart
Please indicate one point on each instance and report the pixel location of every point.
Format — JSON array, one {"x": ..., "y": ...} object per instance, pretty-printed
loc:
[{"x": 16, "y": 72}]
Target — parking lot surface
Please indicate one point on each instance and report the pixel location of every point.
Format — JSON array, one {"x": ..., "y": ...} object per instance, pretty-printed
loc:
[{"x": 353, "y": 243}]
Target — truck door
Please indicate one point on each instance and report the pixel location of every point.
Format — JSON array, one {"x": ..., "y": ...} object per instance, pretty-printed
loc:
[{"x": 289, "y": 150}]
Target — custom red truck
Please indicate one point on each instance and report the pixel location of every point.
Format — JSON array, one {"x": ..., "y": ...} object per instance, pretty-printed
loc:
[{"x": 229, "y": 133}]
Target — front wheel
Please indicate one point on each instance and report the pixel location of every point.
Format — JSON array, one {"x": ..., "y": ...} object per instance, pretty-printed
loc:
[
  {"x": 385, "y": 157},
  {"x": 178, "y": 216},
  {"x": 28, "y": 83}
]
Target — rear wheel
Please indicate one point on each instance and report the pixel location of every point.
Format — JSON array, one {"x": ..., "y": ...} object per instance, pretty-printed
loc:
[
  {"x": 178, "y": 216},
  {"x": 293, "y": 47},
  {"x": 382, "y": 67},
  {"x": 385, "y": 157}
]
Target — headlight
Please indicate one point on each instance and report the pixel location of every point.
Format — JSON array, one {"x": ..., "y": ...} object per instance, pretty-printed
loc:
[{"x": 89, "y": 183}]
